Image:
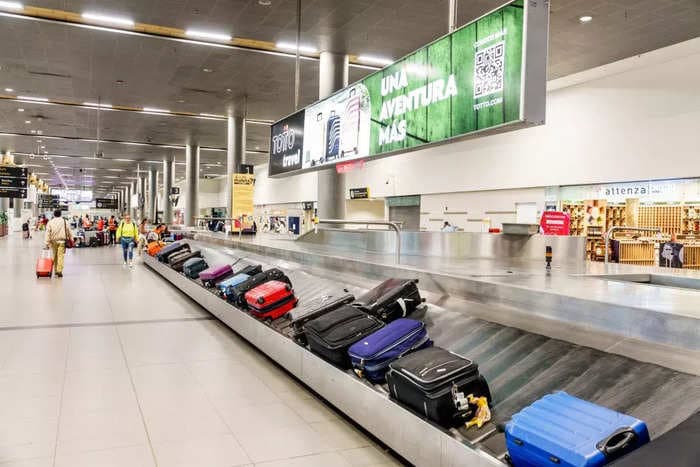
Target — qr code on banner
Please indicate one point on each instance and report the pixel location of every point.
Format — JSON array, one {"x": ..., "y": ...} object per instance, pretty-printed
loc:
[{"x": 489, "y": 66}]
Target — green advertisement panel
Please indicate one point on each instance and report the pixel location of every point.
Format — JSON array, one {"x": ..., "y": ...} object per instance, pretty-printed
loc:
[{"x": 466, "y": 82}]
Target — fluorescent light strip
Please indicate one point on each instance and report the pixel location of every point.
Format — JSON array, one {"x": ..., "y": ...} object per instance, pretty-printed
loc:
[
  {"x": 94, "y": 104},
  {"x": 375, "y": 60},
  {"x": 155, "y": 110},
  {"x": 215, "y": 36},
  {"x": 212, "y": 115},
  {"x": 32, "y": 99},
  {"x": 118, "y": 20},
  {"x": 293, "y": 47},
  {"x": 11, "y": 6}
]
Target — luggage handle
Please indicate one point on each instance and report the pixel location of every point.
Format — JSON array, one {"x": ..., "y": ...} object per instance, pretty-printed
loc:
[{"x": 617, "y": 441}]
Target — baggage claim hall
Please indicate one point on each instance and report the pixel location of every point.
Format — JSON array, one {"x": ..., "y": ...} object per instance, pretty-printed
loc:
[{"x": 349, "y": 233}]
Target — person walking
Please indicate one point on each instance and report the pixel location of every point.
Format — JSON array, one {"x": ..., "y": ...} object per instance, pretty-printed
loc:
[
  {"x": 112, "y": 227},
  {"x": 143, "y": 234},
  {"x": 127, "y": 235},
  {"x": 57, "y": 232}
]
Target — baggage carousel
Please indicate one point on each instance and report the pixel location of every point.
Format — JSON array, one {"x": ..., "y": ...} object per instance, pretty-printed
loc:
[{"x": 520, "y": 367}]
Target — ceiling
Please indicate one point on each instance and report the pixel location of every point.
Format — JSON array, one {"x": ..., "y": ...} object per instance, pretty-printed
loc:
[{"x": 74, "y": 64}]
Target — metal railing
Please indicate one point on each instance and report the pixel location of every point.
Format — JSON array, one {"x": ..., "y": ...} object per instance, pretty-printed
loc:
[
  {"x": 392, "y": 225},
  {"x": 608, "y": 234}
]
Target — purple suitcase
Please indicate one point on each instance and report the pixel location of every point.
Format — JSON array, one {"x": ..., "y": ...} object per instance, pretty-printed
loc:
[{"x": 214, "y": 274}]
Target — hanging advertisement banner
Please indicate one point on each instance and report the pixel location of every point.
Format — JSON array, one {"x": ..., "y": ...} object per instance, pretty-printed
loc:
[{"x": 488, "y": 76}]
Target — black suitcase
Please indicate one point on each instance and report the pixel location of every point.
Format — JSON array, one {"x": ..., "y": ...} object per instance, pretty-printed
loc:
[
  {"x": 332, "y": 334},
  {"x": 312, "y": 310},
  {"x": 178, "y": 262},
  {"x": 168, "y": 251},
  {"x": 679, "y": 447},
  {"x": 428, "y": 381},
  {"x": 251, "y": 270},
  {"x": 193, "y": 267},
  {"x": 236, "y": 295},
  {"x": 392, "y": 299}
]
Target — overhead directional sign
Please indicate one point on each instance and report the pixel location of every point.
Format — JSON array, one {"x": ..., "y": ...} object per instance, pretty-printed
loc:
[
  {"x": 488, "y": 76},
  {"x": 48, "y": 201},
  {"x": 13, "y": 182},
  {"x": 106, "y": 203}
]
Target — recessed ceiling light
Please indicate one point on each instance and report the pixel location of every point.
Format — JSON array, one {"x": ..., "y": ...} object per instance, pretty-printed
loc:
[
  {"x": 585, "y": 19},
  {"x": 9, "y": 90},
  {"x": 118, "y": 20},
  {"x": 27, "y": 122},
  {"x": 207, "y": 70},
  {"x": 215, "y": 36},
  {"x": 293, "y": 47},
  {"x": 265, "y": 2},
  {"x": 11, "y": 5},
  {"x": 120, "y": 82},
  {"x": 20, "y": 110},
  {"x": 228, "y": 90},
  {"x": 257, "y": 147},
  {"x": 375, "y": 60}
]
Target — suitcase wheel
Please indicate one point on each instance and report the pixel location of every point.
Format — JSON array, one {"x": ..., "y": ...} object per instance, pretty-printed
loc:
[{"x": 288, "y": 287}]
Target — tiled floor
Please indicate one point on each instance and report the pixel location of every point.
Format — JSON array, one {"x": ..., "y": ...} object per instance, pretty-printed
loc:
[{"x": 109, "y": 367}]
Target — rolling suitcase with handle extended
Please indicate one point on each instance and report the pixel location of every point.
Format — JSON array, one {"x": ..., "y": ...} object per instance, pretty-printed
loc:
[
  {"x": 332, "y": 334},
  {"x": 566, "y": 431},
  {"x": 392, "y": 299},
  {"x": 214, "y": 274},
  {"x": 44, "y": 265},
  {"x": 318, "y": 306},
  {"x": 271, "y": 300},
  {"x": 236, "y": 294},
  {"x": 430, "y": 381},
  {"x": 178, "y": 262},
  {"x": 193, "y": 267},
  {"x": 372, "y": 355},
  {"x": 171, "y": 249}
]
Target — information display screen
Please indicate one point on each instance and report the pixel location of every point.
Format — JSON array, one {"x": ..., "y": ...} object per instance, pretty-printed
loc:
[
  {"x": 73, "y": 196},
  {"x": 469, "y": 81}
]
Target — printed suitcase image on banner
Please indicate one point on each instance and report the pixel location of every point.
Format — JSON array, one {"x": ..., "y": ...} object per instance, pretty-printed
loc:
[
  {"x": 332, "y": 334},
  {"x": 193, "y": 267},
  {"x": 215, "y": 274},
  {"x": 236, "y": 295},
  {"x": 271, "y": 300},
  {"x": 312, "y": 309},
  {"x": 371, "y": 356},
  {"x": 171, "y": 249},
  {"x": 231, "y": 282},
  {"x": 333, "y": 137},
  {"x": 44, "y": 265},
  {"x": 392, "y": 299},
  {"x": 566, "y": 431},
  {"x": 429, "y": 381},
  {"x": 349, "y": 139},
  {"x": 177, "y": 262}
]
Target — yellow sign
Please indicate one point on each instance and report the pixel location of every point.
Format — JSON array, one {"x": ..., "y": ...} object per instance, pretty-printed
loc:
[{"x": 242, "y": 198}]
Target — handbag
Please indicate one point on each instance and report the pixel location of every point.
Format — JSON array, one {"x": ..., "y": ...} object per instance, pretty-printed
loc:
[{"x": 70, "y": 243}]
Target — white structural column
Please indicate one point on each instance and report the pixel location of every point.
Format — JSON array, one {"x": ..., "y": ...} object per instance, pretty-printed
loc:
[
  {"x": 167, "y": 187},
  {"x": 5, "y": 205},
  {"x": 191, "y": 184},
  {"x": 142, "y": 198},
  {"x": 333, "y": 75},
  {"x": 17, "y": 206},
  {"x": 127, "y": 204},
  {"x": 152, "y": 194},
  {"x": 235, "y": 154}
]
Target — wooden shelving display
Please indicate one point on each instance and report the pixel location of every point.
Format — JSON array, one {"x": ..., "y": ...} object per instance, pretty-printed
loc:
[
  {"x": 637, "y": 252},
  {"x": 668, "y": 218},
  {"x": 615, "y": 215},
  {"x": 576, "y": 213}
]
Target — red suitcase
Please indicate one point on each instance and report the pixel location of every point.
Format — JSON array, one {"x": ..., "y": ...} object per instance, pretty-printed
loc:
[
  {"x": 271, "y": 300},
  {"x": 44, "y": 266}
]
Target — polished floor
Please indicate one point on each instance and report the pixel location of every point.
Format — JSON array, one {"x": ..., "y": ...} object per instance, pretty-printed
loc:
[{"x": 111, "y": 367}]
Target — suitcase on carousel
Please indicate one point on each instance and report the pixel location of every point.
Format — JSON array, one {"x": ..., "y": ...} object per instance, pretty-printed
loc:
[
  {"x": 171, "y": 249},
  {"x": 271, "y": 300},
  {"x": 371, "y": 356},
  {"x": 429, "y": 381},
  {"x": 332, "y": 334},
  {"x": 566, "y": 431},
  {"x": 392, "y": 299},
  {"x": 193, "y": 267},
  {"x": 44, "y": 265},
  {"x": 237, "y": 279},
  {"x": 678, "y": 447},
  {"x": 178, "y": 262},
  {"x": 236, "y": 294},
  {"x": 214, "y": 274},
  {"x": 251, "y": 270},
  {"x": 318, "y": 306}
]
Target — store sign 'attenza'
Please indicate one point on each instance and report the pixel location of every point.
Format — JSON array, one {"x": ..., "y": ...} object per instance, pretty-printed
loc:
[{"x": 488, "y": 76}]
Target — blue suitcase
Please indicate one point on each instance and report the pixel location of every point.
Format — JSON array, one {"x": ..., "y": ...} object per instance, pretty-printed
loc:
[
  {"x": 564, "y": 431},
  {"x": 232, "y": 282},
  {"x": 371, "y": 356}
]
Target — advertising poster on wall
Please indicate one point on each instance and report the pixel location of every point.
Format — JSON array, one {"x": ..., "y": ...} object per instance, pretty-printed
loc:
[{"x": 466, "y": 82}]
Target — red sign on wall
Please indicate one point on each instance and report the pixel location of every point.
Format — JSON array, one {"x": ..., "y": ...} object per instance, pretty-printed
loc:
[
  {"x": 345, "y": 167},
  {"x": 555, "y": 223}
]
